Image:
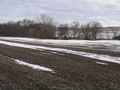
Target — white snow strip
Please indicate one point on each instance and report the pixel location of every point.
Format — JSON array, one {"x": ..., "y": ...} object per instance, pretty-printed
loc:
[
  {"x": 47, "y": 53},
  {"x": 34, "y": 66},
  {"x": 85, "y": 54},
  {"x": 102, "y": 63},
  {"x": 54, "y": 52},
  {"x": 60, "y": 54},
  {"x": 109, "y": 45}
]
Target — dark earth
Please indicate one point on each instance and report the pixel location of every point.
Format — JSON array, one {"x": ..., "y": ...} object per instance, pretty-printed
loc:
[{"x": 72, "y": 72}]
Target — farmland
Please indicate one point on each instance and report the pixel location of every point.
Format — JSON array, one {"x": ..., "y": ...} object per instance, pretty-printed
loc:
[{"x": 35, "y": 64}]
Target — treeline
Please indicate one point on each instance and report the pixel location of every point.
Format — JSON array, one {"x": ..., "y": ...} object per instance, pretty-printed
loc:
[{"x": 46, "y": 27}]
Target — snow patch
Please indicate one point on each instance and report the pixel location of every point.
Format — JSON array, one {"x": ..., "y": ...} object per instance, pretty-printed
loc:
[
  {"x": 54, "y": 52},
  {"x": 34, "y": 66},
  {"x": 109, "y": 45},
  {"x": 85, "y": 54},
  {"x": 102, "y": 63}
]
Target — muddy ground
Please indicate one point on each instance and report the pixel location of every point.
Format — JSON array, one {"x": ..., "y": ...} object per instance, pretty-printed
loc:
[{"x": 72, "y": 72}]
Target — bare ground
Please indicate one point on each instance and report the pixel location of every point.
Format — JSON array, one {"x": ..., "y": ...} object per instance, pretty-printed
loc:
[{"x": 72, "y": 72}]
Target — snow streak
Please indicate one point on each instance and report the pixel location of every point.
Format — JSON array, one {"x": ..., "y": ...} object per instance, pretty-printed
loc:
[{"x": 85, "y": 54}]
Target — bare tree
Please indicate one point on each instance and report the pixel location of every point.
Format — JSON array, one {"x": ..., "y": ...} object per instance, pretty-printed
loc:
[
  {"x": 48, "y": 27},
  {"x": 114, "y": 31},
  {"x": 85, "y": 29},
  {"x": 91, "y": 30},
  {"x": 46, "y": 20},
  {"x": 75, "y": 27},
  {"x": 63, "y": 31},
  {"x": 95, "y": 29}
]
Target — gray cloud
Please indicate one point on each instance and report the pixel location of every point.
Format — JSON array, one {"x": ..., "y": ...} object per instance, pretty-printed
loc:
[{"x": 104, "y": 11}]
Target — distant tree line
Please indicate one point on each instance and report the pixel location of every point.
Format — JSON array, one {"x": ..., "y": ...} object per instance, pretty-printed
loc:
[
  {"x": 46, "y": 27},
  {"x": 42, "y": 28}
]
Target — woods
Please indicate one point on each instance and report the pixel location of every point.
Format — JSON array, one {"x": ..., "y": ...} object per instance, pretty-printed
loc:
[{"x": 46, "y": 27}]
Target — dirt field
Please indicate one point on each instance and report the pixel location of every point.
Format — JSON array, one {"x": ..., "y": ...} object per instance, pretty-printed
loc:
[{"x": 71, "y": 72}]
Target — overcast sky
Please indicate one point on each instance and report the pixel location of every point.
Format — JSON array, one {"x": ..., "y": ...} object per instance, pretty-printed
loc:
[{"x": 105, "y": 11}]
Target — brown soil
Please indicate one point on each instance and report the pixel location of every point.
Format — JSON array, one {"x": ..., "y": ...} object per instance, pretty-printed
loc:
[{"x": 72, "y": 72}]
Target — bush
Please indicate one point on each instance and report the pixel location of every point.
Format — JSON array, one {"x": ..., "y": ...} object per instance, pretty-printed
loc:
[{"x": 117, "y": 37}]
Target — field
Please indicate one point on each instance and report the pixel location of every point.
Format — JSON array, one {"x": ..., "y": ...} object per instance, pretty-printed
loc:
[{"x": 40, "y": 64}]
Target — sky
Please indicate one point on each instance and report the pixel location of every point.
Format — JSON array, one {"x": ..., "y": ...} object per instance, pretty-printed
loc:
[{"x": 106, "y": 12}]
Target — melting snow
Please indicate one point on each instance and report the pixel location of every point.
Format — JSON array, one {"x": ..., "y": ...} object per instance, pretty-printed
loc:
[
  {"x": 110, "y": 45},
  {"x": 102, "y": 63},
  {"x": 85, "y": 54},
  {"x": 34, "y": 66}
]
